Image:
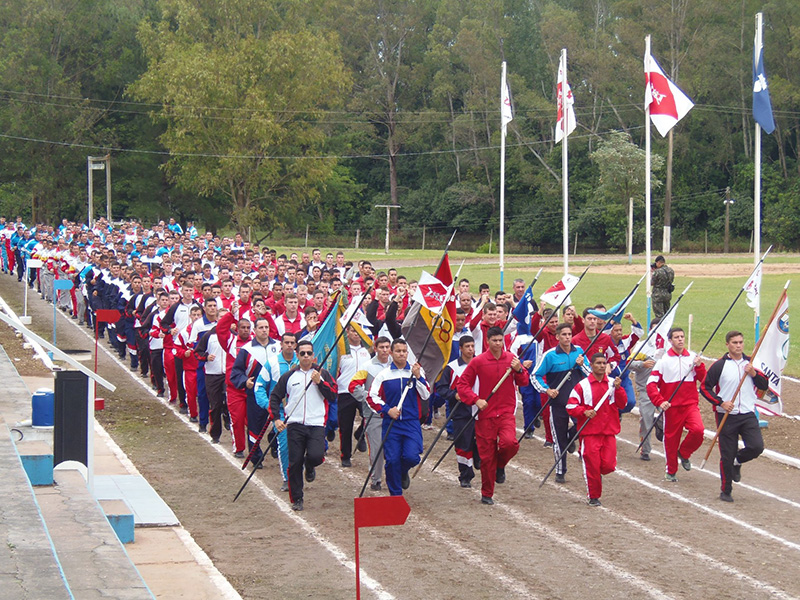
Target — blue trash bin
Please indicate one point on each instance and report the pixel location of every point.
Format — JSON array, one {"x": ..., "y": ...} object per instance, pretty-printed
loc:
[{"x": 43, "y": 402}]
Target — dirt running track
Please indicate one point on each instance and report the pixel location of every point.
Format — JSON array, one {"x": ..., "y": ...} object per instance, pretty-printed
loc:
[{"x": 649, "y": 540}]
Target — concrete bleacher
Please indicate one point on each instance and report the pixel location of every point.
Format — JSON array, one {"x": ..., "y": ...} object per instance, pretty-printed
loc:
[{"x": 59, "y": 541}]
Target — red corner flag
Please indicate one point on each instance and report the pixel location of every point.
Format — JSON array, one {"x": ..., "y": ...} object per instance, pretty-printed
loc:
[{"x": 379, "y": 511}]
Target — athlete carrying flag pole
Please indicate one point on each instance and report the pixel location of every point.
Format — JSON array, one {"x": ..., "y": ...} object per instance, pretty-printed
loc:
[
  {"x": 331, "y": 314},
  {"x": 711, "y": 337},
  {"x": 602, "y": 400},
  {"x": 505, "y": 376},
  {"x": 453, "y": 412},
  {"x": 620, "y": 309}
]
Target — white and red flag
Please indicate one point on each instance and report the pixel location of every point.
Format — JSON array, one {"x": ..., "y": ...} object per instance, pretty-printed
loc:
[
  {"x": 668, "y": 104},
  {"x": 431, "y": 293},
  {"x": 560, "y": 291},
  {"x": 565, "y": 101},
  {"x": 753, "y": 287}
]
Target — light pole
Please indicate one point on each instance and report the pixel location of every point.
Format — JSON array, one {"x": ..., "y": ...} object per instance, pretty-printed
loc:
[
  {"x": 388, "y": 208},
  {"x": 728, "y": 203},
  {"x": 98, "y": 163}
]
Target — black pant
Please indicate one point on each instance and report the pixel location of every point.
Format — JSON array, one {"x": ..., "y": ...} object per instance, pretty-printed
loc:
[
  {"x": 215, "y": 390},
  {"x": 745, "y": 425},
  {"x": 562, "y": 434},
  {"x": 306, "y": 447},
  {"x": 256, "y": 418},
  {"x": 143, "y": 347},
  {"x": 347, "y": 407},
  {"x": 179, "y": 377},
  {"x": 464, "y": 425},
  {"x": 157, "y": 368}
]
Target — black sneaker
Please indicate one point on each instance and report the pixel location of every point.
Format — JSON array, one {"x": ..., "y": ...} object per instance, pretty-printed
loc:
[
  {"x": 487, "y": 500},
  {"x": 376, "y": 486},
  {"x": 645, "y": 456},
  {"x": 547, "y": 445},
  {"x": 202, "y": 429},
  {"x": 560, "y": 479},
  {"x": 330, "y": 435},
  {"x": 215, "y": 440},
  {"x": 465, "y": 484},
  {"x": 528, "y": 435},
  {"x": 311, "y": 475},
  {"x": 160, "y": 394},
  {"x": 500, "y": 476},
  {"x": 346, "y": 463},
  {"x": 594, "y": 502},
  {"x": 239, "y": 454},
  {"x": 362, "y": 444},
  {"x": 183, "y": 410},
  {"x": 450, "y": 437},
  {"x": 406, "y": 482},
  {"x": 725, "y": 497},
  {"x": 297, "y": 505},
  {"x": 192, "y": 419},
  {"x": 737, "y": 473}
]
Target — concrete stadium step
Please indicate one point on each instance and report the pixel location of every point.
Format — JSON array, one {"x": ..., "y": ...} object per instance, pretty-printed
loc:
[
  {"x": 29, "y": 569},
  {"x": 94, "y": 561}
]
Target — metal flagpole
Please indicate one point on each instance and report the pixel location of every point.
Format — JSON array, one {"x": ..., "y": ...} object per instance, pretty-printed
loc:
[
  {"x": 503, "y": 126},
  {"x": 647, "y": 234},
  {"x": 564, "y": 160},
  {"x": 757, "y": 182}
]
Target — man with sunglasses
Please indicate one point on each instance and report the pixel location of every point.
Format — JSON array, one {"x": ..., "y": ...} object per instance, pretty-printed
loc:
[{"x": 307, "y": 392}]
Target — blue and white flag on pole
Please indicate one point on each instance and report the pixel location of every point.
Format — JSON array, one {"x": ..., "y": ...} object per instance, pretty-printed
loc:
[
  {"x": 522, "y": 312},
  {"x": 762, "y": 106}
]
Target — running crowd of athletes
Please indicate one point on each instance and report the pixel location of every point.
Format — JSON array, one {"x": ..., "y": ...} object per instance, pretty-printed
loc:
[{"x": 225, "y": 327}]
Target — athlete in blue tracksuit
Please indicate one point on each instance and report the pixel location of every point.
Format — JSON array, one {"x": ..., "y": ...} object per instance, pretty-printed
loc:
[{"x": 403, "y": 445}]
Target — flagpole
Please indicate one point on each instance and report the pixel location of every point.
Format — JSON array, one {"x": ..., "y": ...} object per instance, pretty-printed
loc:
[
  {"x": 503, "y": 126},
  {"x": 757, "y": 180},
  {"x": 564, "y": 161},
  {"x": 647, "y": 185}
]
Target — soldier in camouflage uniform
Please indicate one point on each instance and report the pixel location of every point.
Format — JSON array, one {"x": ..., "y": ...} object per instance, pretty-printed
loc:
[{"x": 662, "y": 277}]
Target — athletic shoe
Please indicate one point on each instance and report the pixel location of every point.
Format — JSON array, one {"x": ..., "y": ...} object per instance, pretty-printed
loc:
[
  {"x": 406, "y": 482},
  {"x": 528, "y": 435},
  {"x": 560, "y": 478},
  {"x": 487, "y": 500},
  {"x": 192, "y": 419},
  {"x": 285, "y": 486},
  {"x": 330, "y": 435},
  {"x": 239, "y": 454},
  {"x": 659, "y": 429},
  {"x": 571, "y": 448},
  {"x": 376, "y": 486},
  {"x": 465, "y": 484},
  {"x": 725, "y": 497},
  {"x": 685, "y": 462},
  {"x": 645, "y": 456},
  {"x": 362, "y": 444},
  {"x": 297, "y": 505},
  {"x": 594, "y": 502},
  {"x": 258, "y": 464},
  {"x": 202, "y": 429},
  {"x": 450, "y": 437},
  {"x": 427, "y": 427},
  {"x": 215, "y": 440},
  {"x": 160, "y": 394},
  {"x": 311, "y": 475},
  {"x": 671, "y": 477},
  {"x": 183, "y": 410},
  {"x": 547, "y": 445},
  {"x": 737, "y": 473},
  {"x": 537, "y": 422},
  {"x": 500, "y": 476},
  {"x": 346, "y": 463}
]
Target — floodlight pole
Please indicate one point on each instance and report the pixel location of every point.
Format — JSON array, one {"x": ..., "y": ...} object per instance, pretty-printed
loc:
[
  {"x": 728, "y": 203},
  {"x": 98, "y": 163},
  {"x": 388, "y": 208}
]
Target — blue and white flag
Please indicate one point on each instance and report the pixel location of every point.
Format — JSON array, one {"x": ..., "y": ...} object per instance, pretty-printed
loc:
[
  {"x": 762, "y": 106},
  {"x": 522, "y": 312}
]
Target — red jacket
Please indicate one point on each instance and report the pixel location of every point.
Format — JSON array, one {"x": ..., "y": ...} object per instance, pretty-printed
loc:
[
  {"x": 667, "y": 375},
  {"x": 488, "y": 371},
  {"x": 586, "y": 395},
  {"x": 602, "y": 344}
]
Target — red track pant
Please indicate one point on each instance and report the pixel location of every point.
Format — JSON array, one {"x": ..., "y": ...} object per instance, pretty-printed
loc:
[
  {"x": 190, "y": 385},
  {"x": 676, "y": 419},
  {"x": 599, "y": 456},
  {"x": 237, "y": 408},
  {"x": 497, "y": 444}
]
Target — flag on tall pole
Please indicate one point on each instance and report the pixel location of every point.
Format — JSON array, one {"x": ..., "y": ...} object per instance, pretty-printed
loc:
[
  {"x": 565, "y": 124},
  {"x": 506, "y": 116},
  {"x": 771, "y": 357},
  {"x": 665, "y": 104},
  {"x": 762, "y": 114}
]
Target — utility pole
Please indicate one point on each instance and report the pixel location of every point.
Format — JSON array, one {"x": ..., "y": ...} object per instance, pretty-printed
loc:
[
  {"x": 388, "y": 208},
  {"x": 728, "y": 203}
]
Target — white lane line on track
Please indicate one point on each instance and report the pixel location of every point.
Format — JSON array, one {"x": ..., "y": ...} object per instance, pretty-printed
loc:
[
  {"x": 745, "y": 486},
  {"x": 716, "y": 564},
  {"x": 512, "y": 584},
  {"x": 281, "y": 504},
  {"x": 709, "y": 510},
  {"x": 581, "y": 551}
]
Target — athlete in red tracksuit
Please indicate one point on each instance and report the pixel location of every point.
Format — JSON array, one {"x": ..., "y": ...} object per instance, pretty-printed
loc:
[
  {"x": 682, "y": 411},
  {"x": 598, "y": 442},
  {"x": 237, "y": 398},
  {"x": 495, "y": 426}
]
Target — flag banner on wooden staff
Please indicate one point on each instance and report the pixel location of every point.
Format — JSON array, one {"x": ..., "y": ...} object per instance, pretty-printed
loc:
[{"x": 772, "y": 356}]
